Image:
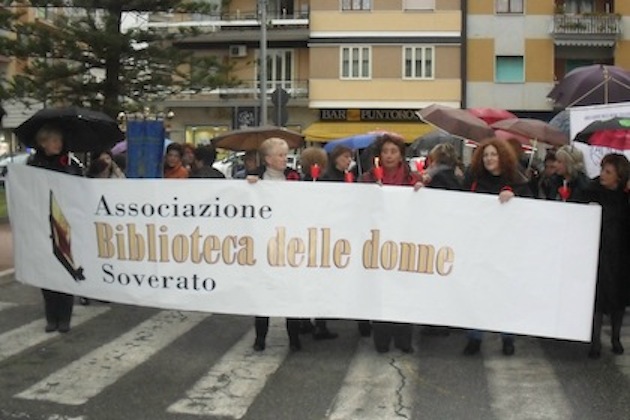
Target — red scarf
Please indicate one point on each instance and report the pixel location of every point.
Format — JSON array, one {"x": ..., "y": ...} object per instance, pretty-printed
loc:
[{"x": 398, "y": 176}]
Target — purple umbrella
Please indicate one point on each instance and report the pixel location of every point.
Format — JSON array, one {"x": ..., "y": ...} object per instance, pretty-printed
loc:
[{"x": 592, "y": 85}]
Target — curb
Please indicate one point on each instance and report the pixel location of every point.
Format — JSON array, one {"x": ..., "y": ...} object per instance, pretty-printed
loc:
[{"x": 7, "y": 276}]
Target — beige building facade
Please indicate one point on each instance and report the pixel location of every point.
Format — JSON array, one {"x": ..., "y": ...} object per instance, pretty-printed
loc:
[
  {"x": 348, "y": 66},
  {"x": 518, "y": 49}
]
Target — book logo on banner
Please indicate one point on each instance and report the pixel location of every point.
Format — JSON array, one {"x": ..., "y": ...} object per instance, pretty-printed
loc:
[{"x": 60, "y": 235}]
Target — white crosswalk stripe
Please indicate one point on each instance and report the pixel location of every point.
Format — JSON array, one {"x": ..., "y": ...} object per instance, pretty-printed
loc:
[
  {"x": 14, "y": 341},
  {"x": 372, "y": 386},
  {"x": 88, "y": 376},
  {"x": 6, "y": 305},
  {"x": 231, "y": 386},
  {"x": 525, "y": 386},
  {"x": 377, "y": 386}
]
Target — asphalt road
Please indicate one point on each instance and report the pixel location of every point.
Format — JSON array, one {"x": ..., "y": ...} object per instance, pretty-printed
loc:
[{"x": 125, "y": 362}]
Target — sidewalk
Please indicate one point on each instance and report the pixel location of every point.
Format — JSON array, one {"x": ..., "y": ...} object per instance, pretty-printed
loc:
[{"x": 6, "y": 251}]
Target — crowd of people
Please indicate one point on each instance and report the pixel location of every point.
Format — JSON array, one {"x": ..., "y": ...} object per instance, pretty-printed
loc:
[{"x": 496, "y": 168}]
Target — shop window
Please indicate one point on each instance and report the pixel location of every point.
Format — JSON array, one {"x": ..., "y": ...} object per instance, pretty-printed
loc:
[{"x": 509, "y": 69}]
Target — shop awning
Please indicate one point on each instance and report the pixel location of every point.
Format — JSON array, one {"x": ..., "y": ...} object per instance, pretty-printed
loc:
[{"x": 325, "y": 131}]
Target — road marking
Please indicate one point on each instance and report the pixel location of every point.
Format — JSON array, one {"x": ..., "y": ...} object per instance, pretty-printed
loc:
[
  {"x": 377, "y": 386},
  {"x": 524, "y": 386},
  {"x": 14, "y": 341},
  {"x": 88, "y": 376},
  {"x": 230, "y": 387},
  {"x": 6, "y": 305}
]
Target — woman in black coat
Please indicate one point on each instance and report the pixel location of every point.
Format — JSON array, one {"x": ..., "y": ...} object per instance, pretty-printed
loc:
[
  {"x": 494, "y": 170},
  {"x": 613, "y": 274},
  {"x": 441, "y": 172},
  {"x": 52, "y": 154},
  {"x": 273, "y": 153},
  {"x": 570, "y": 175}
]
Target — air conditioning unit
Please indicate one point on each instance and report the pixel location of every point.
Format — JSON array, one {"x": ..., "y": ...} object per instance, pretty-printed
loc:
[{"x": 238, "y": 50}]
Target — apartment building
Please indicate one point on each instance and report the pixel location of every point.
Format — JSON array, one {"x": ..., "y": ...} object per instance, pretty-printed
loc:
[
  {"x": 345, "y": 66},
  {"x": 233, "y": 34},
  {"x": 518, "y": 49}
]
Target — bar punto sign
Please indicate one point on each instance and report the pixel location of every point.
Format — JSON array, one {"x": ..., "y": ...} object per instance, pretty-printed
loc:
[{"x": 368, "y": 115}]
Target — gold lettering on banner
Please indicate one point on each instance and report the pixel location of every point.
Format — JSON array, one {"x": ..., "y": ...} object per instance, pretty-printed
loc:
[
  {"x": 318, "y": 251},
  {"x": 406, "y": 256},
  {"x": 130, "y": 243}
]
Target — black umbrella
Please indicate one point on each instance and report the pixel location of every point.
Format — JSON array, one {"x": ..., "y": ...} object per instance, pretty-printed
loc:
[
  {"x": 592, "y": 85},
  {"x": 423, "y": 144},
  {"x": 84, "y": 130}
]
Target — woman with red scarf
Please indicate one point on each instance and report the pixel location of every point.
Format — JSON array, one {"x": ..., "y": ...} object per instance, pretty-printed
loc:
[{"x": 390, "y": 168}]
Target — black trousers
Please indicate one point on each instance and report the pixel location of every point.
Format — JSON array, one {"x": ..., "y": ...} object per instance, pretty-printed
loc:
[
  {"x": 383, "y": 332},
  {"x": 262, "y": 328},
  {"x": 58, "y": 307}
]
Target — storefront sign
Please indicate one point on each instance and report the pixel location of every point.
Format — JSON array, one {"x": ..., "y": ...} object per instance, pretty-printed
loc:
[{"x": 368, "y": 115}]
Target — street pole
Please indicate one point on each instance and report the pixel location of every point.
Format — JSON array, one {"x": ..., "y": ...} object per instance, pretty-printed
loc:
[{"x": 263, "y": 62}]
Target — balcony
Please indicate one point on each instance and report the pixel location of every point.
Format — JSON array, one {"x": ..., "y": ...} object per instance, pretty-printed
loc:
[
  {"x": 232, "y": 19},
  {"x": 246, "y": 92},
  {"x": 590, "y": 30}
]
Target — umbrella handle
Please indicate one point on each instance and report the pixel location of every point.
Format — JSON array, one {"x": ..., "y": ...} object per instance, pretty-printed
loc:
[{"x": 531, "y": 157}]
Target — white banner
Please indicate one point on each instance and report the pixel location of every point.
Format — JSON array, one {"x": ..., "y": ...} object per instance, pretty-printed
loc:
[
  {"x": 310, "y": 249},
  {"x": 581, "y": 116}
]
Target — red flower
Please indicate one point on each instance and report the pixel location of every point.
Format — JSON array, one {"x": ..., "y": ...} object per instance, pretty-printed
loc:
[{"x": 64, "y": 160}]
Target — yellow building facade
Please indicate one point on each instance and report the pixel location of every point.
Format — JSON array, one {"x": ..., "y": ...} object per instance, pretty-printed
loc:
[{"x": 518, "y": 49}]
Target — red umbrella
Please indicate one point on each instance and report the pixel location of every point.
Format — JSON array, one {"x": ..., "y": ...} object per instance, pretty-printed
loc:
[
  {"x": 491, "y": 115},
  {"x": 613, "y": 133},
  {"x": 592, "y": 85},
  {"x": 533, "y": 129}
]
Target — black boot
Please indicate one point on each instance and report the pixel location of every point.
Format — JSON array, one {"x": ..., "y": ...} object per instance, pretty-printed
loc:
[
  {"x": 472, "y": 347},
  {"x": 261, "y": 324},
  {"x": 365, "y": 328},
  {"x": 322, "y": 332},
  {"x": 508, "y": 346},
  {"x": 596, "y": 344}
]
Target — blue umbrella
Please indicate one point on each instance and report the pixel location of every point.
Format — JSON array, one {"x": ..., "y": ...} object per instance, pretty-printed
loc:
[{"x": 358, "y": 141}]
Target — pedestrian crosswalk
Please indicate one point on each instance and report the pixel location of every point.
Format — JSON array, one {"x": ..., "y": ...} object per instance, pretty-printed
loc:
[{"x": 241, "y": 383}]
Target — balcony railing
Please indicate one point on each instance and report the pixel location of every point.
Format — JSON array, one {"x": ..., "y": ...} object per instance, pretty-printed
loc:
[
  {"x": 248, "y": 89},
  {"x": 233, "y": 18},
  {"x": 585, "y": 25}
]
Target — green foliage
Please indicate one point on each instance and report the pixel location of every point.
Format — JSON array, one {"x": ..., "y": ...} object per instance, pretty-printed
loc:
[{"x": 81, "y": 57}]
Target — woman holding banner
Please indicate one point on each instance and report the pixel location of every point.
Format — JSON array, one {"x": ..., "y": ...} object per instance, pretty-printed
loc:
[
  {"x": 613, "y": 272},
  {"x": 273, "y": 153},
  {"x": 494, "y": 169},
  {"x": 52, "y": 154},
  {"x": 390, "y": 168}
]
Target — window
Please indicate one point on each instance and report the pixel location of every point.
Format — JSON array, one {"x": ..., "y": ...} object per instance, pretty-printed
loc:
[
  {"x": 355, "y": 62},
  {"x": 356, "y": 4},
  {"x": 509, "y": 6},
  {"x": 419, "y": 5},
  {"x": 279, "y": 70},
  {"x": 419, "y": 62},
  {"x": 509, "y": 69}
]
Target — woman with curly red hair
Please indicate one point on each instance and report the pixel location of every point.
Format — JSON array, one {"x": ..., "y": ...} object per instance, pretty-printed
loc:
[{"x": 494, "y": 170}]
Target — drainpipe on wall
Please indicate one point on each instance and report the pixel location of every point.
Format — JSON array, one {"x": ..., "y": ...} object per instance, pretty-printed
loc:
[{"x": 464, "y": 55}]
